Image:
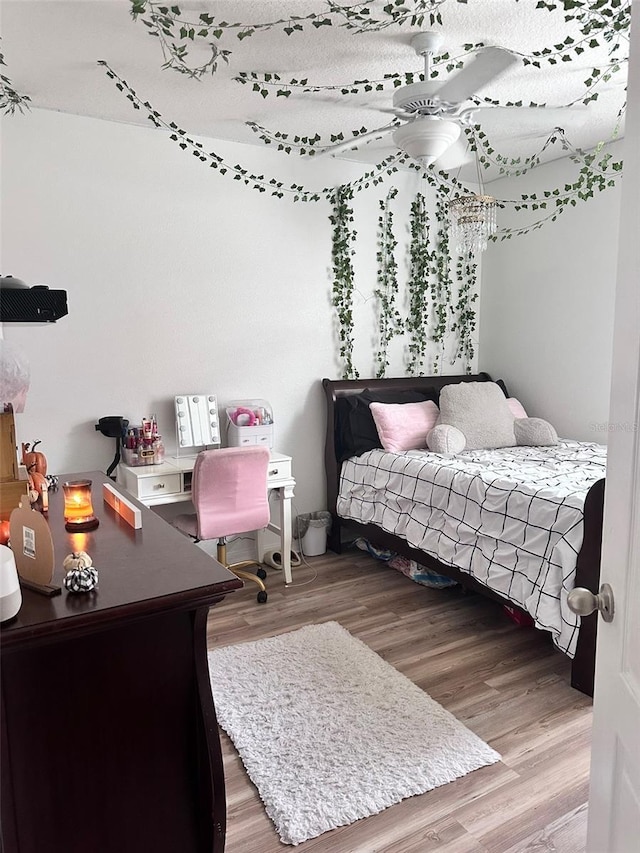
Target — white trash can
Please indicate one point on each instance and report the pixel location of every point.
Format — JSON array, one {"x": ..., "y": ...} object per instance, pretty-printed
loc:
[
  {"x": 310, "y": 529},
  {"x": 314, "y": 541}
]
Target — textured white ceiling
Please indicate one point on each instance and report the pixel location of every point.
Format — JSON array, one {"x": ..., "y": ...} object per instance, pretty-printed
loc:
[{"x": 51, "y": 48}]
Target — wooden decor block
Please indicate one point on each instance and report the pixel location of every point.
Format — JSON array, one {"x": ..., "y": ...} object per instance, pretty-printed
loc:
[
  {"x": 8, "y": 453},
  {"x": 122, "y": 506},
  {"x": 11, "y": 488},
  {"x": 10, "y": 494}
]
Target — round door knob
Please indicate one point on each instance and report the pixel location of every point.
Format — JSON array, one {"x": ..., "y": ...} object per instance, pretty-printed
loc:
[{"x": 584, "y": 602}]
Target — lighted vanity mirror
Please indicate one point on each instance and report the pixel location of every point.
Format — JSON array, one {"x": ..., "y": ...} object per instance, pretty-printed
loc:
[{"x": 197, "y": 420}]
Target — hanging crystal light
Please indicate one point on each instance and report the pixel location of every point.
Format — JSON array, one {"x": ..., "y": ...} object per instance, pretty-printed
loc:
[
  {"x": 473, "y": 221},
  {"x": 472, "y": 217}
]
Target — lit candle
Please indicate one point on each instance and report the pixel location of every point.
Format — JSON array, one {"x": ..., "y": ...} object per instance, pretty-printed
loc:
[{"x": 78, "y": 509}]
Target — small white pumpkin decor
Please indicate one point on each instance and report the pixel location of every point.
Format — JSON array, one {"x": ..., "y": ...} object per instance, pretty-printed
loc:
[
  {"x": 81, "y": 576},
  {"x": 77, "y": 560}
]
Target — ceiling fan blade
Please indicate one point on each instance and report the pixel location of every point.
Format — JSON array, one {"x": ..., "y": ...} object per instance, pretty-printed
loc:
[
  {"x": 355, "y": 141},
  {"x": 486, "y": 66},
  {"x": 393, "y": 111}
]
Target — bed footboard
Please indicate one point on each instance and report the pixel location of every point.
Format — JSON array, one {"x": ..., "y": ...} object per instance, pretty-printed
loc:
[{"x": 588, "y": 576}]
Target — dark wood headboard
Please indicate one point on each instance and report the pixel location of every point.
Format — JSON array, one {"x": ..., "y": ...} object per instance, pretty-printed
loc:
[{"x": 334, "y": 389}]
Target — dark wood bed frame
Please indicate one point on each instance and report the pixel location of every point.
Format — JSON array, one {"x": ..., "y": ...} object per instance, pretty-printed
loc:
[{"x": 588, "y": 565}]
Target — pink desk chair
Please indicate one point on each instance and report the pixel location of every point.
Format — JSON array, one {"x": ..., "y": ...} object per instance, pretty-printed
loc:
[{"x": 229, "y": 492}]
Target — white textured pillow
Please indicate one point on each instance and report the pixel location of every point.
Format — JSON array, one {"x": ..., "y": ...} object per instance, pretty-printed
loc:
[
  {"x": 534, "y": 432},
  {"x": 445, "y": 439},
  {"x": 480, "y": 411}
]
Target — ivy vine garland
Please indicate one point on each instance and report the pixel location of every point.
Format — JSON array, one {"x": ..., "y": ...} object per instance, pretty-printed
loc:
[
  {"x": 464, "y": 324},
  {"x": 342, "y": 251},
  {"x": 600, "y": 21},
  {"x": 607, "y": 20},
  {"x": 421, "y": 258},
  {"x": 441, "y": 282},
  {"x": 431, "y": 286},
  {"x": 10, "y": 99},
  {"x": 432, "y": 315},
  {"x": 176, "y": 31},
  {"x": 386, "y": 291},
  {"x": 296, "y": 192}
]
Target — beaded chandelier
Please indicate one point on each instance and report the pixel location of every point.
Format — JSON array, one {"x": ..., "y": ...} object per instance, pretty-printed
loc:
[{"x": 473, "y": 221}]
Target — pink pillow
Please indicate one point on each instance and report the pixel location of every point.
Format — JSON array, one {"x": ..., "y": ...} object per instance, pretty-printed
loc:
[
  {"x": 404, "y": 426},
  {"x": 517, "y": 409}
]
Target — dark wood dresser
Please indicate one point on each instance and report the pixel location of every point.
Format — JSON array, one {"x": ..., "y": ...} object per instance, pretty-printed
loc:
[{"x": 109, "y": 735}]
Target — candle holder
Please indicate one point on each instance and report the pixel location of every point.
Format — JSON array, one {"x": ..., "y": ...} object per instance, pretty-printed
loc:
[{"x": 78, "y": 509}]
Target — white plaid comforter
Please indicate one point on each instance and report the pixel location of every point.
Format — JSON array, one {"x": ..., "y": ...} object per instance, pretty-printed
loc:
[{"x": 512, "y": 518}]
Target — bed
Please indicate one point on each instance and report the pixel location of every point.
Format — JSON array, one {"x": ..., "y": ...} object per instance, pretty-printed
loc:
[{"x": 396, "y": 523}]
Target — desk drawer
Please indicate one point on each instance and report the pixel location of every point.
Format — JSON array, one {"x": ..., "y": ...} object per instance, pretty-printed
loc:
[
  {"x": 167, "y": 484},
  {"x": 279, "y": 469}
]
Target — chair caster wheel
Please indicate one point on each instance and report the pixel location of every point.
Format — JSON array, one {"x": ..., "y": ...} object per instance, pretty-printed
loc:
[
  {"x": 261, "y": 574},
  {"x": 262, "y": 597}
]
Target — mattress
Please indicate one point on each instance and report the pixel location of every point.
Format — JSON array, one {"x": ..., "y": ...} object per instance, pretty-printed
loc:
[{"x": 512, "y": 518}]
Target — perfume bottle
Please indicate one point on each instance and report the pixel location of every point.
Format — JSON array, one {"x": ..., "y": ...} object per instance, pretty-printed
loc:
[{"x": 158, "y": 450}]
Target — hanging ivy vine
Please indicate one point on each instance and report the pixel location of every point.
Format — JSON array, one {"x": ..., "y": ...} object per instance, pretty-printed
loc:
[
  {"x": 420, "y": 260},
  {"x": 441, "y": 281},
  {"x": 342, "y": 251},
  {"x": 305, "y": 146},
  {"x": 386, "y": 293},
  {"x": 599, "y": 21},
  {"x": 176, "y": 31},
  {"x": 10, "y": 99},
  {"x": 464, "y": 312},
  {"x": 296, "y": 192},
  {"x": 432, "y": 314}
]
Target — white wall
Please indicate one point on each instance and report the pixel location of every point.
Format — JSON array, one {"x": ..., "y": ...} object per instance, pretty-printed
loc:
[
  {"x": 178, "y": 280},
  {"x": 546, "y": 315}
]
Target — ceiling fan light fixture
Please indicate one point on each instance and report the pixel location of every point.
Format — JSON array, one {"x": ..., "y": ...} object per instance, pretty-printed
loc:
[
  {"x": 473, "y": 221},
  {"x": 426, "y": 138}
]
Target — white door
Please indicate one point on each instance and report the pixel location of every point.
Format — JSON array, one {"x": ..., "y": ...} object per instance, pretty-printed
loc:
[{"x": 614, "y": 800}]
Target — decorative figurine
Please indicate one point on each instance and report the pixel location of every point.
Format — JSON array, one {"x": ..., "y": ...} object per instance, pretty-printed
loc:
[
  {"x": 81, "y": 575},
  {"x": 36, "y": 464}
]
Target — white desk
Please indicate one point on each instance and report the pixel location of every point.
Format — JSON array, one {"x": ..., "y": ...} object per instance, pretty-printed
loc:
[{"x": 170, "y": 482}]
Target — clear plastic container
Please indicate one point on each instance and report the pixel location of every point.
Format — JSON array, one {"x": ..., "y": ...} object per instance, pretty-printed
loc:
[{"x": 249, "y": 422}]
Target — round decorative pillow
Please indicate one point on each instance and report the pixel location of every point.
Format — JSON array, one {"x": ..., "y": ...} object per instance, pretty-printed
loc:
[
  {"x": 446, "y": 440},
  {"x": 534, "y": 432}
]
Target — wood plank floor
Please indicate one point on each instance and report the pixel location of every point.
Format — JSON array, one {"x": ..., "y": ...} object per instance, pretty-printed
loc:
[{"x": 508, "y": 684}]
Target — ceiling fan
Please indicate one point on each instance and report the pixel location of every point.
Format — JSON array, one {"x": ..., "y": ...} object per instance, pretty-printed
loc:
[{"x": 432, "y": 113}]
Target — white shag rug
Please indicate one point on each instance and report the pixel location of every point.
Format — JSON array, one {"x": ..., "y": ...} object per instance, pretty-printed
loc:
[{"x": 329, "y": 732}]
